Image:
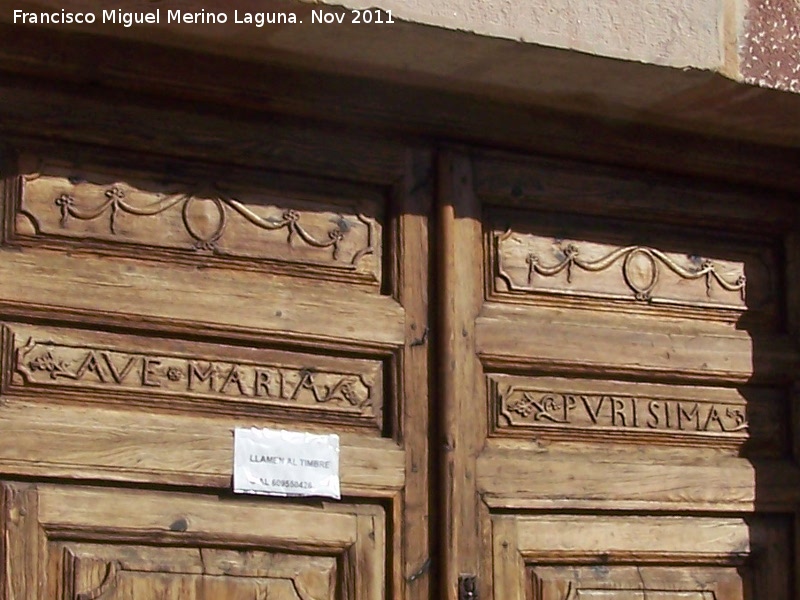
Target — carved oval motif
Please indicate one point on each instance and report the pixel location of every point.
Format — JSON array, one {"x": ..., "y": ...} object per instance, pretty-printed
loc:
[
  {"x": 641, "y": 272},
  {"x": 204, "y": 219}
]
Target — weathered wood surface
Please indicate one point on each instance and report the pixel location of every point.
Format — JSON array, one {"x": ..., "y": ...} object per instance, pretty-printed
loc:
[
  {"x": 197, "y": 217},
  {"x": 685, "y": 557},
  {"x": 86, "y": 543},
  {"x": 750, "y": 420},
  {"x": 619, "y": 377},
  {"x": 456, "y": 113},
  {"x": 604, "y": 343},
  {"x": 90, "y": 443},
  {"x": 606, "y": 480},
  {"x": 143, "y": 319},
  {"x": 464, "y": 520},
  {"x": 168, "y": 375},
  {"x": 586, "y": 343}
]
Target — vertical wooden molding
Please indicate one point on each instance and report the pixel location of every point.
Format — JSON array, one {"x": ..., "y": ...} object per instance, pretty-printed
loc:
[
  {"x": 464, "y": 426},
  {"x": 413, "y": 268},
  {"x": 792, "y": 268},
  {"x": 4, "y": 550},
  {"x": 509, "y": 567},
  {"x": 370, "y": 573},
  {"x": 792, "y": 273},
  {"x": 22, "y": 569},
  {"x": 795, "y": 539}
]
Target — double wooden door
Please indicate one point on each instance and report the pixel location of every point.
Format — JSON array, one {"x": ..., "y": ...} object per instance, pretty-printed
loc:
[{"x": 547, "y": 378}]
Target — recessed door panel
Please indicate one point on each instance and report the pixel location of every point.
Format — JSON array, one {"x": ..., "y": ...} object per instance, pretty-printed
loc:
[
  {"x": 641, "y": 557},
  {"x": 619, "y": 384},
  {"x": 152, "y": 302},
  {"x": 74, "y": 543}
]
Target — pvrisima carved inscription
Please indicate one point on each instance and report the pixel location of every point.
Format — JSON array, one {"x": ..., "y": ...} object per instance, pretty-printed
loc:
[
  {"x": 126, "y": 367},
  {"x": 619, "y": 411},
  {"x": 251, "y": 225},
  {"x": 573, "y": 409}
]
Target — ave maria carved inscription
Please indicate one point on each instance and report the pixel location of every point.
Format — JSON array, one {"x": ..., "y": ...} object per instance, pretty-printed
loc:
[{"x": 295, "y": 382}]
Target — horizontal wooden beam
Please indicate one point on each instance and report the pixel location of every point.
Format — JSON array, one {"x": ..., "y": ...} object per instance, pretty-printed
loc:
[{"x": 96, "y": 69}]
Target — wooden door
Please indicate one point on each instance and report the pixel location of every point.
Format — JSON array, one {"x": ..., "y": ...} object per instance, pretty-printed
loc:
[
  {"x": 167, "y": 276},
  {"x": 620, "y": 361},
  {"x": 617, "y": 359}
]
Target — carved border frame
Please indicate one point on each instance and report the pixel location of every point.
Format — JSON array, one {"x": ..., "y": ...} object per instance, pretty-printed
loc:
[
  {"x": 512, "y": 557},
  {"x": 195, "y": 403},
  {"x": 26, "y": 530},
  {"x": 205, "y": 245},
  {"x": 640, "y": 300}
]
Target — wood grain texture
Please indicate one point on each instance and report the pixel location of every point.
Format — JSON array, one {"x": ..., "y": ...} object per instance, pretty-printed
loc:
[
  {"x": 426, "y": 109},
  {"x": 464, "y": 429},
  {"x": 91, "y": 570},
  {"x": 549, "y": 339},
  {"x": 644, "y": 197},
  {"x": 589, "y": 307},
  {"x": 94, "y": 287},
  {"x": 646, "y": 537},
  {"x": 412, "y": 566},
  {"x": 139, "y": 359},
  {"x": 281, "y": 143},
  {"x": 634, "y": 583},
  {"x": 95, "y": 443},
  {"x": 55, "y": 363},
  {"x": 103, "y": 542},
  {"x": 748, "y": 421},
  {"x": 514, "y": 479},
  {"x": 200, "y": 217},
  {"x": 19, "y": 521},
  {"x": 630, "y": 557},
  {"x": 508, "y": 565},
  {"x": 681, "y": 468},
  {"x": 622, "y": 266}
]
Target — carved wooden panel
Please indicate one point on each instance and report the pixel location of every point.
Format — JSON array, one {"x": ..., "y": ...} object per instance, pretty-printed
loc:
[
  {"x": 151, "y": 304},
  {"x": 636, "y": 583},
  {"x": 323, "y": 230},
  {"x": 616, "y": 265},
  {"x": 133, "y": 571},
  {"x": 156, "y": 373},
  {"x": 745, "y": 419},
  {"x": 641, "y": 558},
  {"x": 75, "y": 543}
]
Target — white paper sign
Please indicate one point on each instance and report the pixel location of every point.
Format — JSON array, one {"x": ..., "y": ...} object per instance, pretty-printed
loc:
[{"x": 285, "y": 463}]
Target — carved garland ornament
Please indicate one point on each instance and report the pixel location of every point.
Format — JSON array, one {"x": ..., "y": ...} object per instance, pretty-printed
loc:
[
  {"x": 289, "y": 220},
  {"x": 642, "y": 290}
]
